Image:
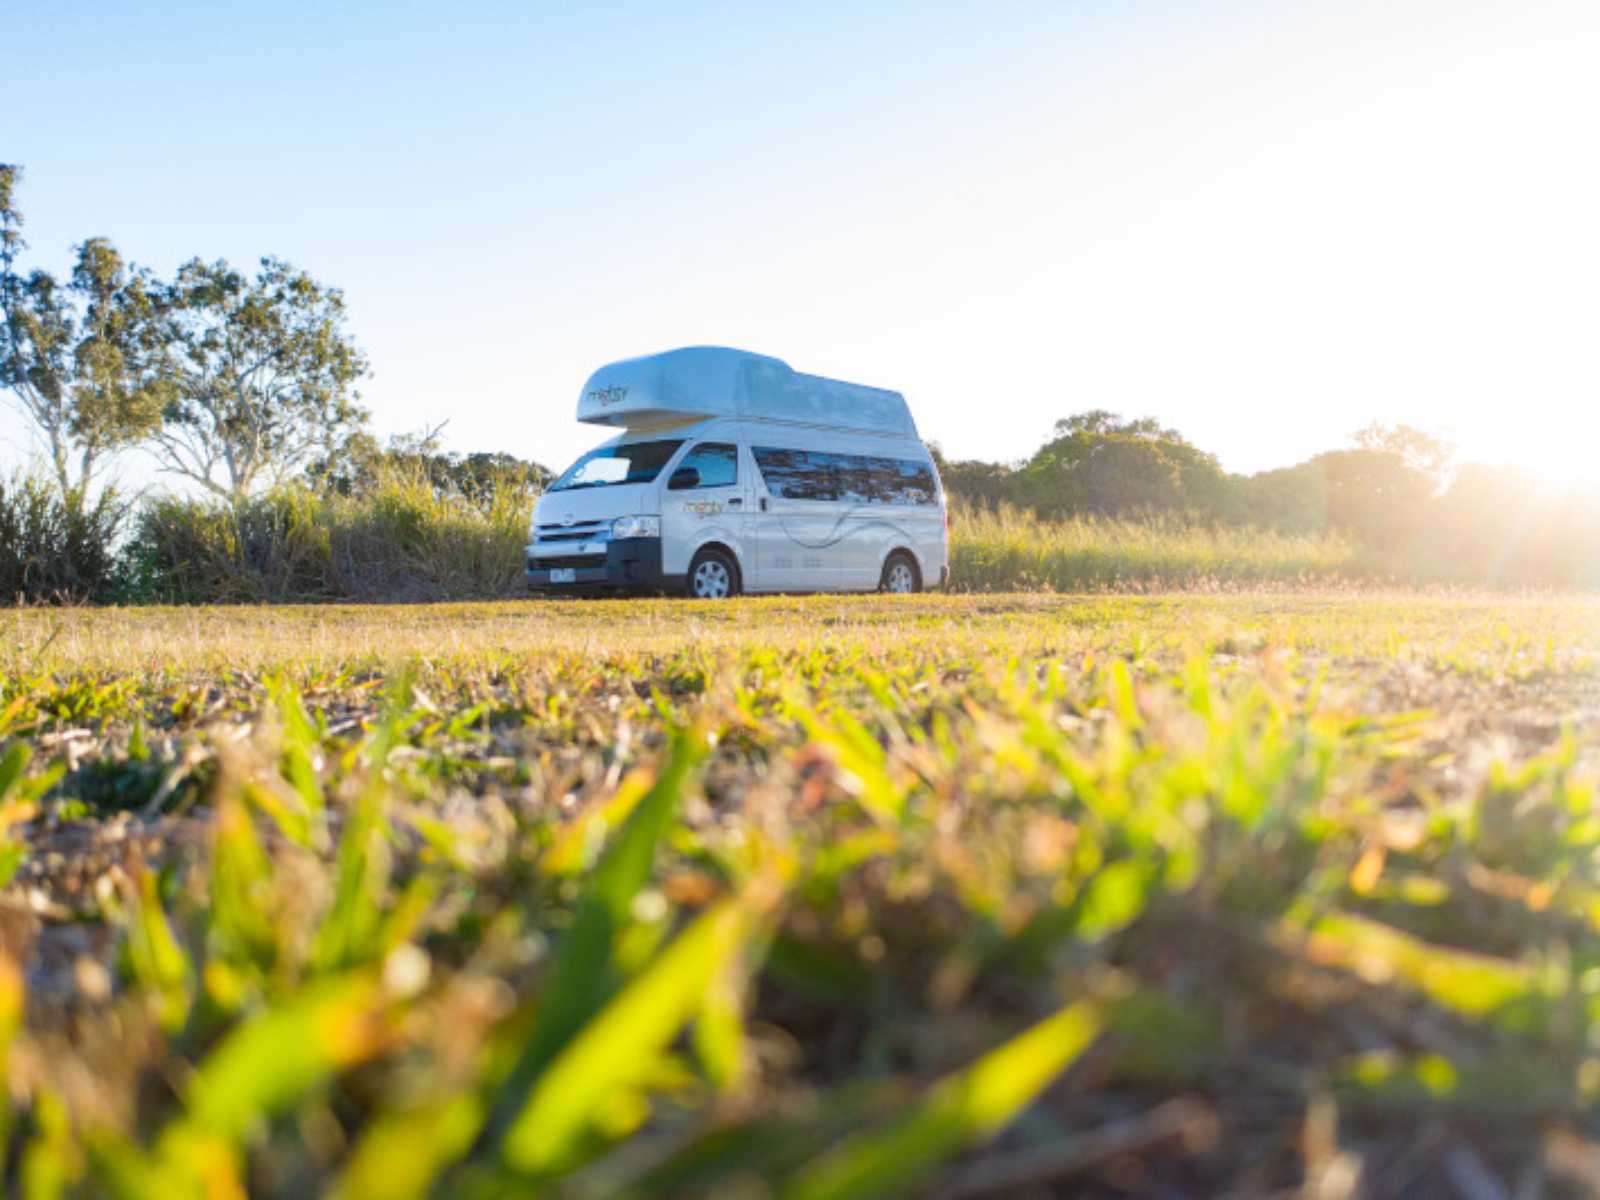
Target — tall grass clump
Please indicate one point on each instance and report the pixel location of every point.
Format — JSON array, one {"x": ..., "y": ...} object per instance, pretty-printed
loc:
[
  {"x": 57, "y": 549},
  {"x": 1009, "y": 549},
  {"x": 401, "y": 539}
]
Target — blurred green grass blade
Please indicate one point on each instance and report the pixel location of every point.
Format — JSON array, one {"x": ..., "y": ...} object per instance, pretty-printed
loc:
[
  {"x": 1474, "y": 984},
  {"x": 1114, "y": 898},
  {"x": 158, "y": 963},
  {"x": 620, "y": 1045},
  {"x": 1497, "y": 1085},
  {"x": 350, "y": 931},
  {"x": 405, "y": 1149},
  {"x": 118, "y": 1166},
  {"x": 52, "y": 1162},
  {"x": 582, "y": 976},
  {"x": 625, "y": 867},
  {"x": 12, "y": 763},
  {"x": 401, "y": 1153},
  {"x": 569, "y": 851},
  {"x": 767, "y": 1148},
  {"x": 13, "y": 999},
  {"x": 13, "y": 809},
  {"x": 275, "y": 1058},
  {"x": 241, "y": 885},
  {"x": 719, "y": 1039},
  {"x": 861, "y": 758},
  {"x": 960, "y": 1110},
  {"x": 818, "y": 970},
  {"x": 300, "y": 743}
]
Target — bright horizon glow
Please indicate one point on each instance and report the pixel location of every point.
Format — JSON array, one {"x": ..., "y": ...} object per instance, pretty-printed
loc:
[{"x": 1266, "y": 225}]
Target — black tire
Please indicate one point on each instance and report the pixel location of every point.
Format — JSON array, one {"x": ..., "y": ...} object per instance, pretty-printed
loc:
[
  {"x": 713, "y": 575},
  {"x": 900, "y": 574}
]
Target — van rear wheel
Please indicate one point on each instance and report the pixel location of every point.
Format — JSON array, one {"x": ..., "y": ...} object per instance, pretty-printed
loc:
[
  {"x": 900, "y": 574},
  {"x": 713, "y": 575}
]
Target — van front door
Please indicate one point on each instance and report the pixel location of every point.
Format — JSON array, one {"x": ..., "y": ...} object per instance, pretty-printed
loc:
[
  {"x": 705, "y": 500},
  {"x": 800, "y": 534}
]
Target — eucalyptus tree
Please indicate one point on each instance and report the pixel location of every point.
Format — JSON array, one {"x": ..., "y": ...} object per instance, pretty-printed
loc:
[
  {"x": 80, "y": 354},
  {"x": 260, "y": 373}
]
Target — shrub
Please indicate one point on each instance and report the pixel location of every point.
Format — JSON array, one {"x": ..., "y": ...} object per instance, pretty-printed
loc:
[
  {"x": 1007, "y": 549},
  {"x": 55, "y": 548},
  {"x": 399, "y": 540}
]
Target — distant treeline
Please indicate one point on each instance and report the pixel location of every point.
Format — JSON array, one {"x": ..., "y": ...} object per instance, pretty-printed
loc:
[{"x": 1394, "y": 494}]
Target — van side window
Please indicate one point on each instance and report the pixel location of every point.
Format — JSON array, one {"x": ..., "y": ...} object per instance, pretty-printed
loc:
[
  {"x": 717, "y": 464},
  {"x": 796, "y": 474},
  {"x": 852, "y": 478},
  {"x": 913, "y": 483}
]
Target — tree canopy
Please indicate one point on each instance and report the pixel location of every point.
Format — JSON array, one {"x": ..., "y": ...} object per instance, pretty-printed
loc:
[
  {"x": 79, "y": 355},
  {"x": 477, "y": 478},
  {"x": 262, "y": 375},
  {"x": 1101, "y": 463}
]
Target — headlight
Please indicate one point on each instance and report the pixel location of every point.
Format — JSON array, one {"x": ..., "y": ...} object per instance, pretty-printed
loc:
[{"x": 636, "y": 527}]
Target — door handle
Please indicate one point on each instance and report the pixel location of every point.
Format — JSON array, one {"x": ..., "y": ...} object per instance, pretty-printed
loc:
[
  {"x": 734, "y": 501},
  {"x": 763, "y": 504}
]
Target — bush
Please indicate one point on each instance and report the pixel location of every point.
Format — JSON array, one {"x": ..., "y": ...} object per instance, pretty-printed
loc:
[
  {"x": 57, "y": 549},
  {"x": 399, "y": 540},
  {"x": 1008, "y": 549}
]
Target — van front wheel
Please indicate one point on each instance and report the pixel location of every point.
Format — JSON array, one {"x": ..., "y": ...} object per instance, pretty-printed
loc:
[
  {"x": 713, "y": 576},
  {"x": 900, "y": 574}
]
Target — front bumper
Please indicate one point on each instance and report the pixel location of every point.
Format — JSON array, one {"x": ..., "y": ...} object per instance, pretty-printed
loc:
[{"x": 631, "y": 565}]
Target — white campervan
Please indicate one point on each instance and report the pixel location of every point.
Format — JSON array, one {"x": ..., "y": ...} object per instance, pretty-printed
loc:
[{"x": 734, "y": 473}]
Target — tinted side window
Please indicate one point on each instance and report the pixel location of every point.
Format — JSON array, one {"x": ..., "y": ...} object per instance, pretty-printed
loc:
[
  {"x": 853, "y": 478},
  {"x": 797, "y": 474},
  {"x": 896, "y": 480},
  {"x": 717, "y": 463},
  {"x": 854, "y": 475},
  {"x": 914, "y": 482}
]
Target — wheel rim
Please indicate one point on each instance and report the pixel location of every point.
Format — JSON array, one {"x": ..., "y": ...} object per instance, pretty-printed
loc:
[
  {"x": 900, "y": 577},
  {"x": 712, "y": 580}
]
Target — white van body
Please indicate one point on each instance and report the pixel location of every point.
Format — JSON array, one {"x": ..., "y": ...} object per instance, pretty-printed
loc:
[{"x": 732, "y": 472}]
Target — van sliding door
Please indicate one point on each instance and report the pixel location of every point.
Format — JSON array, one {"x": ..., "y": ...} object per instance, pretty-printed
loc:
[{"x": 800, "y": 527}]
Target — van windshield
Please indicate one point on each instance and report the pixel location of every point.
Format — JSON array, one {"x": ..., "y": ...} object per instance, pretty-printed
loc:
[{"x": 632, "y": 462}]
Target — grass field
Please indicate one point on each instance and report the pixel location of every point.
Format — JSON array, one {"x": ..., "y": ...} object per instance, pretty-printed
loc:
[{"x": 827, "y": 897}]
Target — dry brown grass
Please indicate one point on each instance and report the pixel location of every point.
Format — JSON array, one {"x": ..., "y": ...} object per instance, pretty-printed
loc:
[{"x": 255, "y": 636}]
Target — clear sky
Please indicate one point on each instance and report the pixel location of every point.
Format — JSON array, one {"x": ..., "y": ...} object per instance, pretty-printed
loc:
[{"x": 1264, "y": 223}]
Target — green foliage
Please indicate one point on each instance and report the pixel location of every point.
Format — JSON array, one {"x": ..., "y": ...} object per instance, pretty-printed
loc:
[
  {"x": 398, "y": 540},
  {"x": 1392, "y": 507},
  {"x": 483, "y": 480},
  {"x": 967, "y": 1107},
  {"x": 1421, "y": 452},
  {"x": 976, "y": 483},
  {"x": 78, "y": 355},
  {"x": 260, "y": 372},
  {"x": 1008, "y": 549},
  {"x": 1099, "y": 464},
  {"x": 1373, "y": 495},
  {"x": 56, "y": 549}
]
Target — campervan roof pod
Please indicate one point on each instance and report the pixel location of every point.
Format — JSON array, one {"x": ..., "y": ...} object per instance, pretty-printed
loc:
[{"x": 680, "y": 386}]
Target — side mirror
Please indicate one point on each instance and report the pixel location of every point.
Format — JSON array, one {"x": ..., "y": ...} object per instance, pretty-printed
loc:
[{"x": 682, "y": 478}]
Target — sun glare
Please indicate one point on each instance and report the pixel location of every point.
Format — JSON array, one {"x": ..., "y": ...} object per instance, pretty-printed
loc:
[{"x": 1561, "y": 459}]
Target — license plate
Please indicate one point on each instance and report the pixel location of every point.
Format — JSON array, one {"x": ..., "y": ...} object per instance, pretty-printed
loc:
[{"x": 563, "y": 575}]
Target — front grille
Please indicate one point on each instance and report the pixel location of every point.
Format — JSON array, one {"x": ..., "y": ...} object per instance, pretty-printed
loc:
[
  {"x": 550, "y": 562},
  {"x": 577, "y": 529},
  {"x": 586, "y": 536}
]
